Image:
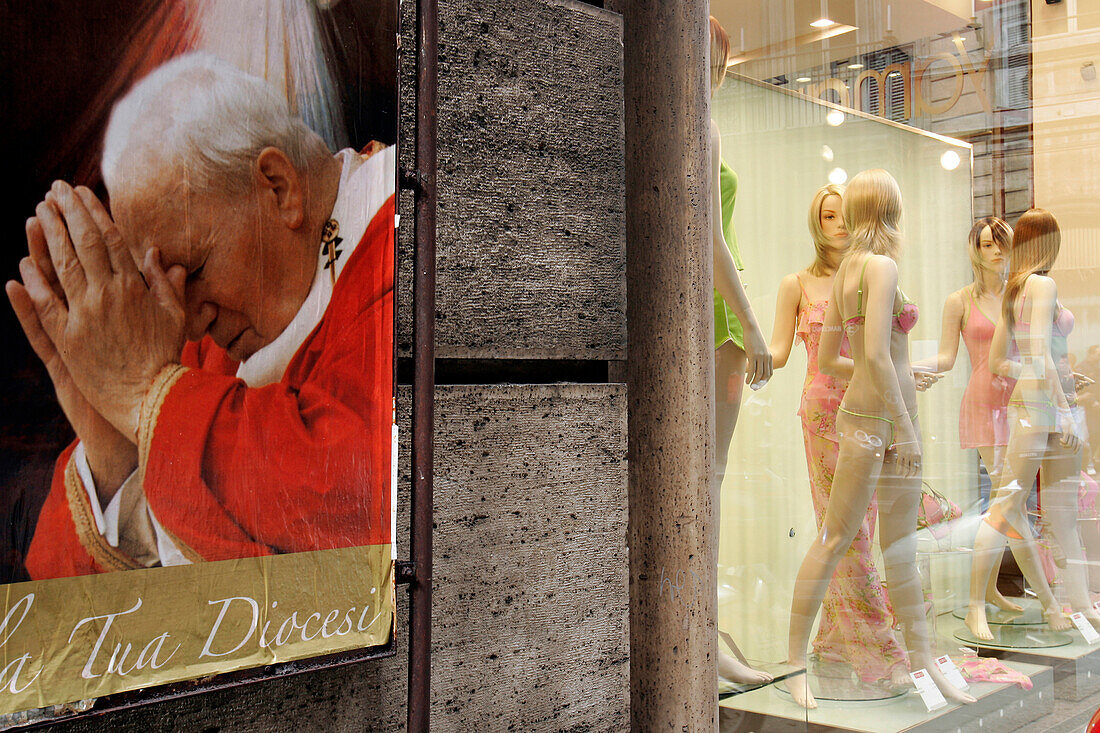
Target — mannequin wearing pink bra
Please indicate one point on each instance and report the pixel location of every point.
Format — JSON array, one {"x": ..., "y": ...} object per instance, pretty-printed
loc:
[
  {"x": 880, "y": 448},
  {"x": 856, "y": 619}
]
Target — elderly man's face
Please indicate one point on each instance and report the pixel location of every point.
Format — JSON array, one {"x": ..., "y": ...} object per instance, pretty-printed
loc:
[{"x": 230, "y": 251}]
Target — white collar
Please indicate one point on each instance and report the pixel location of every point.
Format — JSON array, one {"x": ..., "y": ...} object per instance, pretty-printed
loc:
[{"x": 365, "y": 185}]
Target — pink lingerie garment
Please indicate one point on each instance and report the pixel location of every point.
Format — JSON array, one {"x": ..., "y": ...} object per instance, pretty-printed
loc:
[
  {"x": 905, "y": 318},
  {"x": 988, "y": 669}
]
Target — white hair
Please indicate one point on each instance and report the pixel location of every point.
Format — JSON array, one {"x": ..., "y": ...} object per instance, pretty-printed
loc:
[{"x": 207, "y": 116}]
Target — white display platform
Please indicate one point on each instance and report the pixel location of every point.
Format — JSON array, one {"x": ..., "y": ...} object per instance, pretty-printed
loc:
[{"x": 1000, "y": 707}]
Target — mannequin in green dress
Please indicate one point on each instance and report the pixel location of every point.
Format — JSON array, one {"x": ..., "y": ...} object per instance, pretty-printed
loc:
[
  {"x": 741, "y": 352},
  {"x": 731, "y": 361}
]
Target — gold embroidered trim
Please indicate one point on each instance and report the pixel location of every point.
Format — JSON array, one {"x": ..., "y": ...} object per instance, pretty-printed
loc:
[
  {"x": 150, "y": 409},
  {"x": 80, "y": 508},
  {"x": 147, "y": 424}
]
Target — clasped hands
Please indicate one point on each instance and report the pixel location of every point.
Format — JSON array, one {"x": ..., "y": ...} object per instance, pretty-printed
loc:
[{"x": 103, "y": 324}]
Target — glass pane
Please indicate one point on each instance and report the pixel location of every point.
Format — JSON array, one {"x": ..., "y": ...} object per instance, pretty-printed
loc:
[{"x": 974, "y": 110}]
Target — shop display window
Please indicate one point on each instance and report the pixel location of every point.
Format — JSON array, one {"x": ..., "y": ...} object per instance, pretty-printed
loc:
[{"x": 959, "y": 299}]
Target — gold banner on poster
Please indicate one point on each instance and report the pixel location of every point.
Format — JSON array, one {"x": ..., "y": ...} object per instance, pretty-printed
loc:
[{"x": 76, "y": 638}]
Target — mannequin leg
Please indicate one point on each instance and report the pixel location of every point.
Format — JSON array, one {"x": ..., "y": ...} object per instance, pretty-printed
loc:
[
  {"x": 992, "y": 458},
  {"x": 1061, "y": 477},
  {"x": 899, "y": 497},
  {"x": 856, "y": 621},
  {"x": 1007, "y": 520},
  {"x": 729, "y": 376},
  {"x": 730, "y": 363},
  {"x": 857, "y": 471}
]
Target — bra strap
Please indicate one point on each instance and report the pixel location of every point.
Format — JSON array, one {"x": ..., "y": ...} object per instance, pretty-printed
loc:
[
  {"x": 859, "y": 292},
  {"x": 801, "y": 286}
]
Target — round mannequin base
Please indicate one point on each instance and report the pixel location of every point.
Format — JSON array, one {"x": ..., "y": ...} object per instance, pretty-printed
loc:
[
  {"x": 838, "y": 681},
  {"x": 1009, "y": 636},
  {"x": 1032, "y": 615}
]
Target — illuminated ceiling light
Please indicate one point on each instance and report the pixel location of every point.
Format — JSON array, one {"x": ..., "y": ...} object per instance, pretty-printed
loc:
[
  {"x": 856, "y": 65},
  {"x": 802, "y": 80},
  {"x": 835, "y": 118},
  {"x": 838, "y": 176},
  {"x": 823, "y": 23},
  {"x": 827, "y": 153},
  {"x": 950, "y": 160}
]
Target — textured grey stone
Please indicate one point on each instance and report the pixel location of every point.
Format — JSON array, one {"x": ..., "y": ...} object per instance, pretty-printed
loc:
[
  {"x": 530, "y": 615},
  {"x": 531, "y": 231}
]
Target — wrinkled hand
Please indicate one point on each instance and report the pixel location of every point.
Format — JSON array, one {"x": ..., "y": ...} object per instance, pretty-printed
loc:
[
  {"x": 113, "y": 332},
  {"x": 111, "y": 456},
  {"x": 924, "y": 380},
  {"x": 759, "y": 368}
]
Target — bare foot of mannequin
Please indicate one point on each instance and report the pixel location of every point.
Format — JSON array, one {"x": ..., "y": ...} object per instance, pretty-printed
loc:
[
  {"x": 899, "y": 677},
  {"x": 995, "y": 598},
  {"x": 1056, "y": 620},
  {"x": 732, "y": 670},
  {"x": 799, "y": 687},
  {"x": 950, "y": 692},
  {"x": 977, "y": 623}
]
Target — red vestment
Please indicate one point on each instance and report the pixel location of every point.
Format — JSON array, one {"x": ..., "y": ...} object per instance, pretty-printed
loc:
[{"x": 235, "y": 471}]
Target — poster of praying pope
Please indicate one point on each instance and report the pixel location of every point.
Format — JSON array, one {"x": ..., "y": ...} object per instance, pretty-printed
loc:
[{"x": 198, "y": 454}]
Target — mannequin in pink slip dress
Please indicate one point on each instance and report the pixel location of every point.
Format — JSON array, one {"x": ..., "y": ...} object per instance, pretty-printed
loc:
[{"x": 972, "y": 312}]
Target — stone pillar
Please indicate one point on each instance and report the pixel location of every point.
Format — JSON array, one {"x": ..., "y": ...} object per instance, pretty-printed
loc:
[{"x": 673, "y": 503}]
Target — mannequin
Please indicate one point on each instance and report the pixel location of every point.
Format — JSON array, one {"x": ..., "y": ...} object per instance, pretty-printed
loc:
[
  {"x": 741, "y": 352},
  {"x": 880, "y": 446},
  {"x": 856, "y": 623},
  {"x": 1045, "y": 434},
  {"x": 972, "y": 312}
]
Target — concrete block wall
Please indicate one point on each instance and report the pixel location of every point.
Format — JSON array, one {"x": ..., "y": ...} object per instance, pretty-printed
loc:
[{"x": 531, "y": 612}]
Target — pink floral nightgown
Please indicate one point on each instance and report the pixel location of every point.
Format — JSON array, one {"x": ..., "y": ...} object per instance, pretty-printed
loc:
[{"x": 856, "y": 618}]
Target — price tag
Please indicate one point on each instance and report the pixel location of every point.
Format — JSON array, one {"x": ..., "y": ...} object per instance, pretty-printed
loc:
[
  {"x": 933, "y": 698},
  {"x": 1085, "y": 627},
  {"x": 951, "y": 672}
]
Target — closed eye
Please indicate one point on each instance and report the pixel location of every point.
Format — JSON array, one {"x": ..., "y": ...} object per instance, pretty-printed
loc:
[{"x": 197, "y": 272}]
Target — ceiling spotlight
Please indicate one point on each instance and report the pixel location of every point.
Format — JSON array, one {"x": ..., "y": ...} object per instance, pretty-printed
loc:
[
  {"x": 835, "y": 118},
  {"x": 856, "y": 65},
  {"x": 802, "y": 80},
  {"x": 823, "y": 23},
  {"x": 838, "y": 176},
  {"x": 950, "y": 160},
  {"x": 827, "y": 153}
]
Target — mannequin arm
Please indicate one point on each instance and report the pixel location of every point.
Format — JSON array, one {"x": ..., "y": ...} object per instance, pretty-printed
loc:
[
  {"x": 829, "y": 360},
  {"x": 944, "y": 360},
  {"x": 786, "y": 315},
  {"x": 1044, "y": 300},
  {"x": 881, "y": 285},
  {"x": 999, "y": 363},
  {"x": 726, "y": 280}
]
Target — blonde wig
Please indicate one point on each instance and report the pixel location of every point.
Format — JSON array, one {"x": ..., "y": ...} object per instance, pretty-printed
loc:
[
  {"x": 822, "y": 242},
  {"x": 719, "y": 54},
  {"x": 1002, "y": 236},
  {"x": 1035, "y": 245},
  {"x": 872, "y": 213}
]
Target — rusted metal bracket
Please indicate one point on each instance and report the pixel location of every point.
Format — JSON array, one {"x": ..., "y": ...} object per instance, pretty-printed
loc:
[{"x": 423, "y": 415}]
